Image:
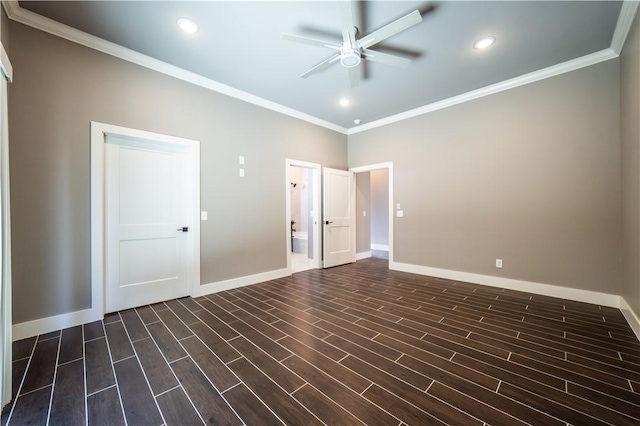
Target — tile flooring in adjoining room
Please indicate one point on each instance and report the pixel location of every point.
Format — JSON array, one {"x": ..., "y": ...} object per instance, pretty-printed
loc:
[{"x": 356, "y": 344}]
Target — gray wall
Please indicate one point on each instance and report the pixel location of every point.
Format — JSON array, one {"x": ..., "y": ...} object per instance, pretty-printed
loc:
[
  {"x": 363, "y": 204},
  {"x": 59, "y": 88},
  {"x": 380, "y": 207},
  {"x": 530, "y": 175},
  {"x": 630, "y": 155}
]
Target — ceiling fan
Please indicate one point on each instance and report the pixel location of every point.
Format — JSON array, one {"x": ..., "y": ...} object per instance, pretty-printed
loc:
[{"x": 351, "y": 51}]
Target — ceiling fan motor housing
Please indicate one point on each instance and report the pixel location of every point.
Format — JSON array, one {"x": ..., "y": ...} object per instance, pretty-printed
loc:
[{"x": 350, "y": 57}]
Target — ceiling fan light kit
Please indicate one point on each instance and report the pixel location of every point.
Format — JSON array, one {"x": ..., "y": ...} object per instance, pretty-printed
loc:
[
  {"x": 351, "y": 51},
  {"x": 350, "y": 58}
]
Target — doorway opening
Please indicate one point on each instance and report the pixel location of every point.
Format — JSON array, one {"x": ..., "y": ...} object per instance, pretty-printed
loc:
[
  {"x": 374, "y": 211},
  {"x": 303, "y": 218}
]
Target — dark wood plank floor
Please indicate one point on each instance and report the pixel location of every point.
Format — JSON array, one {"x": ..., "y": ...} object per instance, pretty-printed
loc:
[{"x": 356, "y": 344}]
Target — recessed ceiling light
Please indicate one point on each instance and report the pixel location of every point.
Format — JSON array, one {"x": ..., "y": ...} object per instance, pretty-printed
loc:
[
  {"x": 344, "y": 102},
  {"x": 485, "y": 42},
  {"x": 187, "y": 25}
]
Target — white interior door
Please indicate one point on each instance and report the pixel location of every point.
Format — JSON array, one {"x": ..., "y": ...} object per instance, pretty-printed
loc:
[
  {"x": 339, "y": 236},
  {"x": 148, "y": 195}
]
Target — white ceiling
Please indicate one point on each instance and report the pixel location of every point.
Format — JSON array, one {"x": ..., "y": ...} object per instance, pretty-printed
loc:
[{"x": 239, "y": 44}]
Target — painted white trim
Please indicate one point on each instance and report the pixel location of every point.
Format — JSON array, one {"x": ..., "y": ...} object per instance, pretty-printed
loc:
[
  {"x": 603, "y": 299},
  {"x": 58, "y": 322},
  {"x": 316, "y": 169},
  {"x": 6, "y": 283},
  {"x": 625, "y": 20},
  {"x": 18, "y": 14},
  {"x": 5, "y": 64},
  {"x": 630, "y": 316},
  {"x": 98, "y": 133},
  {"x": 27, "y": 329},
  {"x": 24, "y": 16},
  {"x": 572, "y": 65},
  {"x": 378, "y": 166},
  {"x": 363, "y": 255},
  {"x": 232, "y": 283},
  {"x": 381, "y": 247}
]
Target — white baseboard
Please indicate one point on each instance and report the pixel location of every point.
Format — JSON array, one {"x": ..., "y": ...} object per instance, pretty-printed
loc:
[
  {"x": 46, "y": 325},
  {"x": 603, "y": 299},
  {"x": 383, "y": 247},
  {"x": 363, "y": 255},
  {"x": 630, "y": 316},
  {"x": 205, "y": 289},
  {"x": 27, "y": 329}
]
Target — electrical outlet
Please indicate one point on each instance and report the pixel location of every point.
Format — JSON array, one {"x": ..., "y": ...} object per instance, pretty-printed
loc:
[{"x": 499, "y": 263}]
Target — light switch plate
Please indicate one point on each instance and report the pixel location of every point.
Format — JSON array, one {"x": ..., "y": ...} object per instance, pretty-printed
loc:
[
  {"x": 241, "y": 159},
  {"x": 241, "y": 173},
  {"x": 203, "y": 215},
  {"x": 400, "y": 213}
]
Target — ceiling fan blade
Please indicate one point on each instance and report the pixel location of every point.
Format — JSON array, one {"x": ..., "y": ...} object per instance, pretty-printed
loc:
[
  {"x": 347, "y": 25},
  {"x": 385, "y": 58},
  {"x": 354, "y": 76},
  {"x": 322, "y": 65},
  {"x": 391, "y": 29},
  {"x": 310, "y": 41}
]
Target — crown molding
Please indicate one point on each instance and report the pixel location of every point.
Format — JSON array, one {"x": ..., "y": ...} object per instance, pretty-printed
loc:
[
  {"x": 572, "y": 65},
  {"x": 26, "y": 17},
  {"x": 623, "y": 26},
  {"x": 625, "y": 20}
]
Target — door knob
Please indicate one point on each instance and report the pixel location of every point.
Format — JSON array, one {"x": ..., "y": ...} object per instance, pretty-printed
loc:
[
  {"x": 326, "y": 222},
  {"x": 183, "y": 229}
]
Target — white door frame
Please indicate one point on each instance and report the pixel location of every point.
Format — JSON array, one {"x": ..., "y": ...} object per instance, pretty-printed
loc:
[
  {"x": 99, "y": 132},
  {"x": 379, "y": 166},
  {"x": 317, "y": 237}
]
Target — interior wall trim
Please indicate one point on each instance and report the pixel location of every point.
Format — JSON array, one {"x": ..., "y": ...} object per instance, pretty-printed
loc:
[
  {"x": 232, "y": 283},
  {"x": 33, "y": 328},
  {"x": 46, "y": 325},
  {"x": 532, "y": 77},
  {"x": 5, "y": 64},
  {"x": 363, "y": 255},
  {"x": 625, "y": 20},
  {"x": 26, "y": 17},
  {"x": 630, "y": 316},
  {"x": 578, "y": 295}
]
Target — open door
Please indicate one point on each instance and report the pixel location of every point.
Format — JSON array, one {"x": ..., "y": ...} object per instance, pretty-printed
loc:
[{"x": 339, "y": 219}]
